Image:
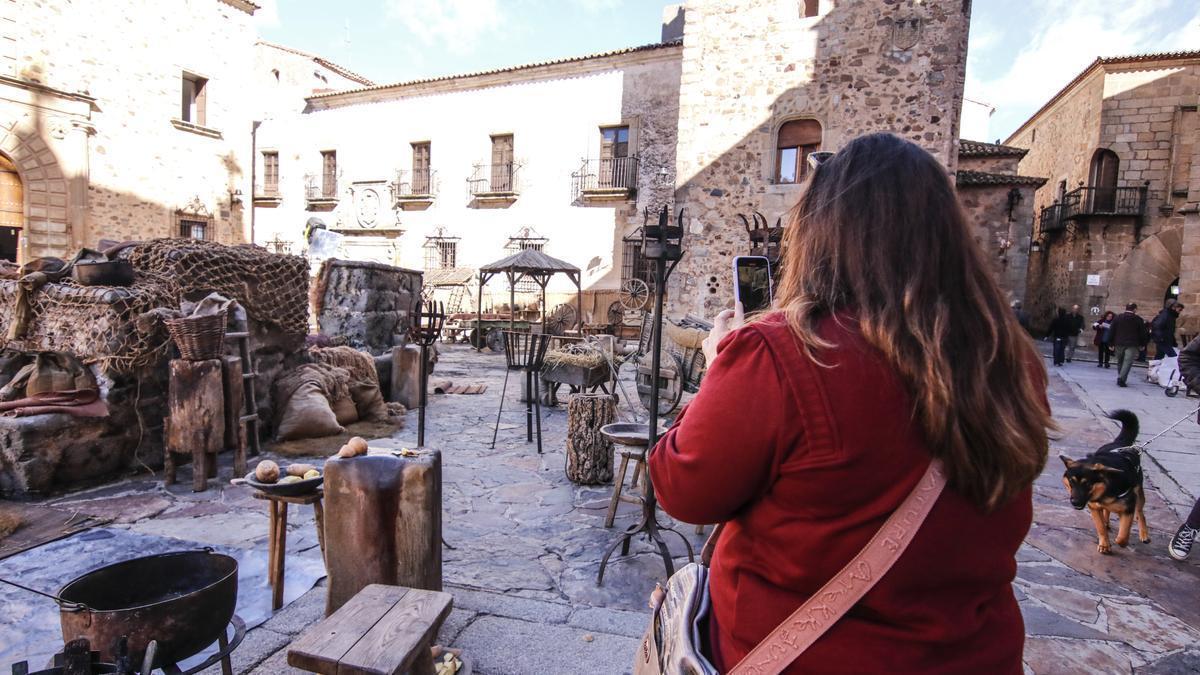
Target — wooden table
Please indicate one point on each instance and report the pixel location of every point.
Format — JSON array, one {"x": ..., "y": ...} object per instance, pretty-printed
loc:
[
  {"x": 277, "y": 507},
  {"x": 383, "y": 630}
]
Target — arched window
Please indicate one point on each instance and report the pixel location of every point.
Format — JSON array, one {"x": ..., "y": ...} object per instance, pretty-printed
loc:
[
  {"x": 1103, "y": 180},
  {"x": 796, "y": 141}
]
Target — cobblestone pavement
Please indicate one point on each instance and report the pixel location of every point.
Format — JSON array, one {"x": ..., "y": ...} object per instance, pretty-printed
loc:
[{"x": 527, "y": 543}]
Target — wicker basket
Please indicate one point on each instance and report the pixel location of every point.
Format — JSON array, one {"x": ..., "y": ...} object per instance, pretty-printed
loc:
[{"x": 199, "y": 338}]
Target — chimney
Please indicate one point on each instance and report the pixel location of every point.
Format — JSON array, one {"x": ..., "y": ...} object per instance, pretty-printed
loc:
[{"x": 672, "y": 23}]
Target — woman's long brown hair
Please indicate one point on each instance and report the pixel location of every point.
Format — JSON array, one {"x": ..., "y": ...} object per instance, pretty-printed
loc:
[{"x": 879, "y": 234}]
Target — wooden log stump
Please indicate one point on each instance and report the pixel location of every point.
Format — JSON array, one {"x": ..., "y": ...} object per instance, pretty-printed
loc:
[
  {"x": 196, "y": 419},
  {"x": 384, "y": 523},
  {"x": 589, "y": 453},
  {"x": 406, "y": 376},
  {"x": 235, "y": 407}
]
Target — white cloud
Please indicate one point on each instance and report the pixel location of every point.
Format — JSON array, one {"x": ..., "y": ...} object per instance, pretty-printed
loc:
[
  {"x": 1065, "y": 38},
  {"x": 456, "y": 25}
]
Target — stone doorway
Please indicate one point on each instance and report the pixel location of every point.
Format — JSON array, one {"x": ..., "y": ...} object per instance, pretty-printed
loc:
[{"x": 12, "y": 209}]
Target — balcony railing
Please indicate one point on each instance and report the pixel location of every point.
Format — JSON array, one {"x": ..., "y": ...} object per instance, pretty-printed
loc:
[
  {"x": 1051, "y": 219},
  {"x": 320, "y": 193},
  {"x": 418, "y": 185},
  {"x": 611, "y": 176},
  {"x": 1104, "y": 201},
  {"x": 494, "y": 180}
]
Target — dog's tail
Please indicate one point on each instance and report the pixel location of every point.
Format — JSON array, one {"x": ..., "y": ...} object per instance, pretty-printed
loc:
[{"x": 1129, "y": 427}]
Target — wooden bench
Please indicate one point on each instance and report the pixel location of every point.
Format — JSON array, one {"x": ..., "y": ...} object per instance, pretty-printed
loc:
[{"x": 383, "y": 630}]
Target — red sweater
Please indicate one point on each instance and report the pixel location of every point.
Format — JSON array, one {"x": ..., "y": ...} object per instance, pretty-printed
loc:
[{"x": 806, "y": 463}]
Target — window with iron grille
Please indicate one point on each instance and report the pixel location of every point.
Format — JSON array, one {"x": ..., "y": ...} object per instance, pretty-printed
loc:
[
  {"x": 270, "y": 173},
  {"x": 633, "y": 265},
  {"x": 525, "y": 240},
  {"x": 441, "y": 254},
  {"x": 329, "y": 174},
  {"x": 195, "y": 227}
]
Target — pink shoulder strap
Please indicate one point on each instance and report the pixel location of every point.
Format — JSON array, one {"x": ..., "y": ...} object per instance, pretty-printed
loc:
[{"x": 839, "y": 594}]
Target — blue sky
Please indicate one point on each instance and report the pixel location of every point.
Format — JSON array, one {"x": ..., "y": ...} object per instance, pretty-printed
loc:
[{"x": 1021, "y": 51}]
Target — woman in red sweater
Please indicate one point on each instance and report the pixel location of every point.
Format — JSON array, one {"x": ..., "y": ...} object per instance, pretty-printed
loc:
[{"x": 891, "y": 344}]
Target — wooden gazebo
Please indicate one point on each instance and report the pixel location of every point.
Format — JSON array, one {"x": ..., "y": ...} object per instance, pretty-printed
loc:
[{"x": 532, "y": 264}]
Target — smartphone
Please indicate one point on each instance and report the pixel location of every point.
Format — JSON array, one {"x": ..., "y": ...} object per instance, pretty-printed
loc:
[{"x": 752, "y": 287}]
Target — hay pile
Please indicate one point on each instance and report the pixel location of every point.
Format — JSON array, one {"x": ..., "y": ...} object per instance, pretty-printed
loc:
[
  {"x": 9, "y": 522},
  {"x": 580, "y": 354}
]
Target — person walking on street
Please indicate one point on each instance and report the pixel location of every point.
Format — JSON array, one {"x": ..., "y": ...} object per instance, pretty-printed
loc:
[
  {"x": 1128, "y": 337},
  {"x": 1162, "y": 330},
  {"x": 1103, "y": 340},
  {"x": 1189, "y": 370},
  {"x": 1075, "y": 319},
  {"x": 1061, "y": 332},
  {"x": 1022, "y": 315}
]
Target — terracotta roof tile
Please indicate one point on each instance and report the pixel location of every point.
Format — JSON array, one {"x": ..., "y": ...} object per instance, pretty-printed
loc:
[
  {"x": 980, "y": 149},
  {"x": 984, "y": 178}
]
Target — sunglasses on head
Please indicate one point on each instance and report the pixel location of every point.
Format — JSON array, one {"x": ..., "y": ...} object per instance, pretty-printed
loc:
[{"x": 816, "y": 159}]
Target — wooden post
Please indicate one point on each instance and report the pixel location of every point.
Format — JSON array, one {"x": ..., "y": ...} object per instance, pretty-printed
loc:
[
  {"x": 196, "y": 414},
  {"x": 235, "y": 407},
  {"x": 384, "y": 523},
  {"x": 589, "y": 454}
]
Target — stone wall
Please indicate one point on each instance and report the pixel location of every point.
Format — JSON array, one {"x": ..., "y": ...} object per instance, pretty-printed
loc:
[
  {"x": 369, "y": 304},
  {"x": 751, "y": 65},
  {"x": 1003, "y": 237},
  {"x": 1144, "y": 111}
]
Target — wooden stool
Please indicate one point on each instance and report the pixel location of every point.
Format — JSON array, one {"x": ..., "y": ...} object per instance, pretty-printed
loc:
[
  {"x": 195, "y": 424},
  {"x": 382, "y": 630},
  {"x": 639, "y": 458},
  {"x": 277, "y": 507}
]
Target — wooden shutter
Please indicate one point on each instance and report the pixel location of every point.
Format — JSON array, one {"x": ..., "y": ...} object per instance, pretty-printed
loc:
[
  {"x": 201, "y": 88},
  {"x": 329, "y": 173},
  {"x": 271, "y": 172},
  {"x": 502, "y": 160},
  {"x": 798, "y": 133}
]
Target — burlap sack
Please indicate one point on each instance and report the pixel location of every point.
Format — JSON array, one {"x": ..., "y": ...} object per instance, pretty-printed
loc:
[{"x": 308, "y": 415}]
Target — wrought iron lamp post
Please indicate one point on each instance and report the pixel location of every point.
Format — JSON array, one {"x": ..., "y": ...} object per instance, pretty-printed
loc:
[
  {"x": 426, "y": 329},
  {"x": 663, "y": 245}
]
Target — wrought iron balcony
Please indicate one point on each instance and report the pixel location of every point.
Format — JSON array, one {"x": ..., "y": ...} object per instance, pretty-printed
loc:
[
  {"x": 323, "y": 196},
  {"x": 415, "y": 186},
  {"x": 1104, "y": 201},
  {"x": 611, "y": 177},
  {"x": 1051, "y": 219},
  {"x": 494, "y": 181}
]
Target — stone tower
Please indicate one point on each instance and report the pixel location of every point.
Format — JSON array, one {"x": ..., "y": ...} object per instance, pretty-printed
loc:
[{"x": 837, "y": 69}]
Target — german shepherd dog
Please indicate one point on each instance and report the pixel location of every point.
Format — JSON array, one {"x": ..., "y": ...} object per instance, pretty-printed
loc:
[{"x": 1110, "y": 481}]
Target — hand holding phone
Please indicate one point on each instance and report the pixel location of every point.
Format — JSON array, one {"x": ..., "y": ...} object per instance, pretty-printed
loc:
[
  {"x": 724, "y": 323},
  {"x": 752, "y": 282}
]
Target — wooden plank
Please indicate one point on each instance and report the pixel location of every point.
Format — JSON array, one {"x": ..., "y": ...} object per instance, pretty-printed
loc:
[
  {"x": 321, "y": 648},
  {"x": 403, "y": 635}
]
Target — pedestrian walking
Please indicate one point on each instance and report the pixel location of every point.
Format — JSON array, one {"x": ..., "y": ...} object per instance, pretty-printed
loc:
[
  {"x": 1189, "y": 370},
  {"x": 952, "y": 379},
  {"x": 1061, "y": 329},
  {"x": 1128, "y": 338},
  {"x": 1103, "y": 340},
  {"x": 1021, "y": 314},
  {"x": 1162, "y": 330},
  {"x": 1075, "y": 319}
]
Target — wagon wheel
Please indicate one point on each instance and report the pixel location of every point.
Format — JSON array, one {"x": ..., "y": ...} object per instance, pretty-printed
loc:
[
  {"x": 696, "y": 364},
  {"x": 635, "y": 294},
  {"x": 475, "y": 337},
  {"x": 562, "y": 319},
  {"x": 495, "y": 340},
  {"x": 616, "y": 313},
  {"x": 671, "y": 392}
]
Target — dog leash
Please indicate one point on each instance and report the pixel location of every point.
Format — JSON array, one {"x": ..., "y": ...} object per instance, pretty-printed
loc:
[{"x": 1140, "y": 446}]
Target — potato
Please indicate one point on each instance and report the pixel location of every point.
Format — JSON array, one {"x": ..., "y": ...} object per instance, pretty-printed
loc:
[
  {"x": 287, "y": 480},
  {"x": 346, "y": 452},
  {"x": 359, "y": 444},
  {"x": 312, "y": 474},
  {"x": 299, "y": 469},
  {"x": 266, "y": 472}
]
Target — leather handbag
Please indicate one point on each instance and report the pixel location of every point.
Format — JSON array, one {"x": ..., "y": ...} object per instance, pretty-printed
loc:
[{"x": 671, "y": 645}]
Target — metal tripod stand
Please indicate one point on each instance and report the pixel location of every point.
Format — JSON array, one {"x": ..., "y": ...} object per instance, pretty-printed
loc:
[{"x": 662, "y": 243}]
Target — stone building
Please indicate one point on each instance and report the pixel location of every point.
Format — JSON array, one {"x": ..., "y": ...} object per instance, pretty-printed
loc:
[
  {"x": 765, "y": 82},
  {"x": 717, "y": 118},
  {"x": 1118, "y": 219},
  {"x": 999, "y": 203}
]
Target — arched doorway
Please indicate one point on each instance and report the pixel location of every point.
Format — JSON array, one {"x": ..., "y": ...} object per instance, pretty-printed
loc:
[
  {"x": 1105, "y": 167},
  {"x": 12, "y": 209}
]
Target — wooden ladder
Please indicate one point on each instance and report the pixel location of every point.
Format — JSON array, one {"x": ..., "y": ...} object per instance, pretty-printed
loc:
[{"x": 249, "y": 375}]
